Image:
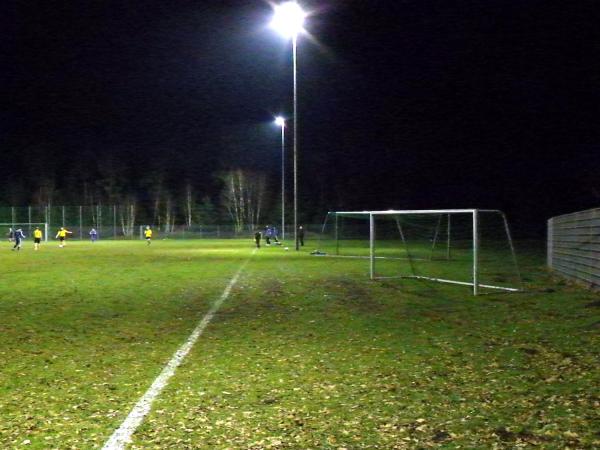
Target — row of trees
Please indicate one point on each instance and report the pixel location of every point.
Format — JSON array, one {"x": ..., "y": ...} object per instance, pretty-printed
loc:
[{"x": 240, "y": 197}]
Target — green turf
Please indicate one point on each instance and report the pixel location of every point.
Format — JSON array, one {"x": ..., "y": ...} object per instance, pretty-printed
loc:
[{"x": 305, "y": 353}]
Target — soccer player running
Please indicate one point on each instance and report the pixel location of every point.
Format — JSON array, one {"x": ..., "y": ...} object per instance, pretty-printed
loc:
[
  {"x": 148, "y": 234},
  {"x": 37, "y": 238},
  {"x": 62, "y": 235},
  {"x": 275, "y": 234},
  {"x": 271, "y": 233},
  {"x": 93, "y": 235},
  {"x": 18, "y": 237}
]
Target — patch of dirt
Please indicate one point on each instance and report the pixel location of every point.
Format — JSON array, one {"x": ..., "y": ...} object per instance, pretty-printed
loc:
[
  {"x": 504, "y": 434},
  {"x": 274, "y": 289},
  {"x": 268, "y": 304},
  {"x": 530, "y": 351},
  {"x": 440, "y": 436},
  {"x": 594, "y": 326},
  {"x": 354, "y": 295}
]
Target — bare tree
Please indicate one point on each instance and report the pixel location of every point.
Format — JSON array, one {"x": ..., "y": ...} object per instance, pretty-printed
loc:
[
  {"x": 189, "y": 205},
  {"x": 127, "y": 217},
  {"x": 170, "y": 215},
  {"x": 243, "y": 197}
]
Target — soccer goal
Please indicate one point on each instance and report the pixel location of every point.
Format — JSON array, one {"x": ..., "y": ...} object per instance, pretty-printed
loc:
[
  {"x": 27, "y": 228},
  {"x": 471, "y": 247}
]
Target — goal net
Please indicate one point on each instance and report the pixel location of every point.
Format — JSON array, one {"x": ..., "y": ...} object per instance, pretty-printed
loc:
[
  {"x": 470, "y": 247},
  {"x": 26, "y": 227}
]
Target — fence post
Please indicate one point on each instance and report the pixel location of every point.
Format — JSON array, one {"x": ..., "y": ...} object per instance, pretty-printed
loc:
[
  {"x": 99, "y": 219},
  {"x": 475, "y": 252},
  {"x": 132, "y": 220},
  {"x": 549, "y": 242},
  {"x": 29, "y": 219},
  {"x": 80, "y": 222},
  {"x": 448, "y": 240},
  {"x": 372, "y": 245},
  {"x": 114, "y": 221},
  {"x": 337, "y": 242}
]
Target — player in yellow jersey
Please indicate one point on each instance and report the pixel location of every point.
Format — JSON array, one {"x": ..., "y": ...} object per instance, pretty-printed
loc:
[
  {"x": 37, "y": 238},
  {"x": 148, "y": 234},
  {"x": 61, "y": 235}
]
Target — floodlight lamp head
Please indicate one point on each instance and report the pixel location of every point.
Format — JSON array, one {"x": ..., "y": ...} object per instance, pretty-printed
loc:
[
  {"x": 288, "y": 19},
  {"x": 280, "y": 121}
]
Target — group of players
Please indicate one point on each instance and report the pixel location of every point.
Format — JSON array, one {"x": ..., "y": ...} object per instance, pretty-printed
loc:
[
  {"x": 271, "y": 233},
  {"x": 17, "y": 236}
]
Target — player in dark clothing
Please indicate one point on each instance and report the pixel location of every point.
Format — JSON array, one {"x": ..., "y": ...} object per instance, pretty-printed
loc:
[
  {"x": 301, "y": 235},
  {"x": 257, "y": 237},
  {"x": 18, "y": 236},
  {"x": 274, "y": 234},
  {"x": 268, "y": 234}
]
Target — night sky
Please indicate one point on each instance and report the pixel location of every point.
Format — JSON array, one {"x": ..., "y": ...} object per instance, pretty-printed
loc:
[{"x": 402, "y": 104}]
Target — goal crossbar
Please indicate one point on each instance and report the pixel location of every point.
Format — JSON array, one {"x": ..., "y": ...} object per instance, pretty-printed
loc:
[{"x": 395, "y": 212}]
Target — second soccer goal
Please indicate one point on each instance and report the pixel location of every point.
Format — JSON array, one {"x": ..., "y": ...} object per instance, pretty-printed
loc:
[{"x": 471, "y": 247}]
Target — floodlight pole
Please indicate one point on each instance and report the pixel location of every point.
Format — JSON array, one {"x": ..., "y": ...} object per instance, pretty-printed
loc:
[
  {"x": 294, "y": 57},
  {"x": 283, "y": 182},
  {"x": 288, "y": 21}
]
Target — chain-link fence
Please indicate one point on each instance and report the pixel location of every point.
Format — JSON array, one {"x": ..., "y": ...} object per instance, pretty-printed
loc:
[
  {"x": 114, "y": 222},
  {"x": 121, "y": 222},
  {"x": 574, "y": 246}
]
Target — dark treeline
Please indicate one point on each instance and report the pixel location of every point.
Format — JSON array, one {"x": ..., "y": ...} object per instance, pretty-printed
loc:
[
  {"x": 174, "y": 183},
  {"x": 166, "y": 181}
]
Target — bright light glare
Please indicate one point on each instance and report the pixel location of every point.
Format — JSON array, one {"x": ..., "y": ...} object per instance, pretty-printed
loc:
[
  {"x": 288, "y": 19},
  {"x": 280, "y": 121}
]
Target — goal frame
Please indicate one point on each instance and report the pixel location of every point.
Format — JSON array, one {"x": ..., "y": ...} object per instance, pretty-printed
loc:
[
  {"x": 29, "y": 225},
  {"x": 474, "y": 283}
]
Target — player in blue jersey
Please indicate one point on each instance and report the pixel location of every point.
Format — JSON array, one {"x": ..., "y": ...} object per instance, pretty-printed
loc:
[{"x": 18, "y": 237}]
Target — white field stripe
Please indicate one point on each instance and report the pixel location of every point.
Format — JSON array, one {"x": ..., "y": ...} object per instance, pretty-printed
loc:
[{"x": 122, "y": 436}]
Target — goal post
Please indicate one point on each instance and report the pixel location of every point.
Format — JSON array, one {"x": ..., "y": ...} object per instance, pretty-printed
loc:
[
  {"x": 471, "y": 247},
  {"x": 27, "y": 228}
]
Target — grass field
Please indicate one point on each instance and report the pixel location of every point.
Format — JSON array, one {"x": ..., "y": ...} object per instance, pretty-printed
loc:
[{"x": 306, "y": 352}]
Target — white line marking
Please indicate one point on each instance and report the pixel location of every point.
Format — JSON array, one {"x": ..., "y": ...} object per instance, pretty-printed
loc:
[{"x": 122, "y": 436}]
